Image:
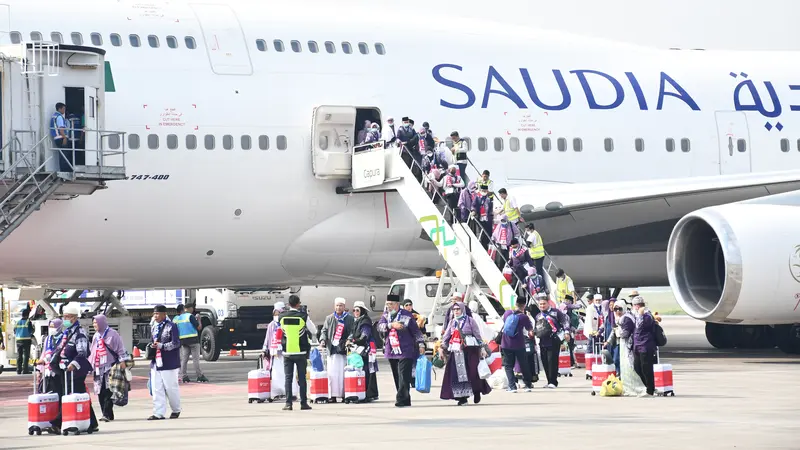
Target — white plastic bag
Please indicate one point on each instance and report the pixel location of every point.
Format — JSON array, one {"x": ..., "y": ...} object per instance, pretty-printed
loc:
[
  {"x": 484, "y": 371},
  {"x": 498, "y": 380}
]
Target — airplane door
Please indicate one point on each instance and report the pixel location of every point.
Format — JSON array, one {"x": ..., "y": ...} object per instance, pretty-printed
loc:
[
  {"x": 90, "y": 139},
  {"x": 734, "y": 143},
  {"x": 224, "y": 39},
  {"x": 331, "y": 141}
]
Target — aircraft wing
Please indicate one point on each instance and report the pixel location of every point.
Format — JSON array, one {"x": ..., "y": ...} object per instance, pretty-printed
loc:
[{"x": 565, "y": 211}]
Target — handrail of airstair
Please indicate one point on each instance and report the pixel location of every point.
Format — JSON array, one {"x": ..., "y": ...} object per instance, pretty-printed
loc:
[
  {"x": 437, "y": 194},
  {"x": 22, "y": 156},
  {"x": 101, "y": 152},
  {"x": 22, "y": 184}
]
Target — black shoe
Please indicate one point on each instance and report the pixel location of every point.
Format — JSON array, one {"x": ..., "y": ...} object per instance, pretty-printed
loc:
[
  {"x": 332, "y": 400},
  {"x": 462, "y": 402},
  {"x": 105, "y": 419},
  {"x": 477, "y": 398},
  {"x": 202, "y": 379},
  {"x": 287, "y": 408},
  {"x": 95, "y": 429},
  {"x": 155, "y": 418},
  {"x": 186, "y": 379},
  {"x": 305, "y": 407},
  {"x": 174, "y": 415}
]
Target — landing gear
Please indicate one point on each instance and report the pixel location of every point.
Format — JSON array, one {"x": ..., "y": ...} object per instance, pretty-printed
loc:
[
  {"x": 724, "y": 336},
  {"x": 788, "y": 338}
]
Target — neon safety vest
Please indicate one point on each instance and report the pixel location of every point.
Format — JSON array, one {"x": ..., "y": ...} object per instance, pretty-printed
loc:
[
  {"x": 562, "y": 288},
  {"x": 295, "y": 339},
  {"x": 511, "y": 213},
  {"x": 21, "y": 331},
  {"x": 185, "y": 328},
  {"x": 538, "y": 251}
]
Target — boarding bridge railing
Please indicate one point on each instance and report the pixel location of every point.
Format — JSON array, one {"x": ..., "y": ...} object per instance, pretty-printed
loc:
[{"x": 100, "y": 163}]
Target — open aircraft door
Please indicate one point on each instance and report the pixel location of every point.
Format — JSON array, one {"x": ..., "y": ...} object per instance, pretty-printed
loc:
[
  {"x": 332, "y": 135},
  {"x": 734, "y": 142}
]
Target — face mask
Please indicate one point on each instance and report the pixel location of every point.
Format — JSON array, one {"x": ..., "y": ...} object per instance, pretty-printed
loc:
[
  {"x": 52, "y": 331},
  {"x": 405, "y": 124},
  {"x": 67, "y": 323},
  {"x": 503, "y": 221}
]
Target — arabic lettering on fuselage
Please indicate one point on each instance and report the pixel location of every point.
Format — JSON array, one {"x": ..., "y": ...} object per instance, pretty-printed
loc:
[{"x": 589, "y": 80}]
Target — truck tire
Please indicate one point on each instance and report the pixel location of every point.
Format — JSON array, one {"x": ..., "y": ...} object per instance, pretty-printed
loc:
[{"x": 208, "y": 343}]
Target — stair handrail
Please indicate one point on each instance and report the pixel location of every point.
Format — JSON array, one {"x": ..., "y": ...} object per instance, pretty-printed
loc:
[
  {"x": 22, "y": 157},
  {"x": 520, "y": 283}
]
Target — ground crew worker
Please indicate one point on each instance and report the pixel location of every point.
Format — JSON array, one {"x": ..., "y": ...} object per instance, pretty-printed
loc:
[
  {"x": 510, "y": 207},
  {"x": 58, "y": 132},
  {"x": 536, "y": 248},
  {"x": 295, "y": 346},
  {"x": 188, "y": 326},
  {"x": 564, "y": 287},
  {"x": 23, "y": 332},
  {"x": 460, "y": 154},
  {"x": 485, "y": 182}
]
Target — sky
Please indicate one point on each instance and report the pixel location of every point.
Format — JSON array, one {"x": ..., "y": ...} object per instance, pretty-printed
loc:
[{"x": 709, "y": 24}]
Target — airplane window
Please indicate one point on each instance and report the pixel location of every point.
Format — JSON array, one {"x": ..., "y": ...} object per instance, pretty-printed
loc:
[
  {"x": 638, "y": 143},
  {"x": 313, "y": 47},
  {"x": 190, "y": 43},
  {"x": 261, "y": 45},
  {"x": 561, "y": 144},
  {"x": 686, "y": 145},
  {"x": 482, "y": 144},
  {"x": 278, "y": 44},
  {"x": 608, "y": 144},
  {"x": 16, "y": 37},
  {"x": 363, "y": 48},
  {"x": 116, "y": 40},
  {"x": 577, "y": 145},
  {"x": 330, "y": 47},
  {"x": 113, "y": 141},
  {"x": 670, "y": 145},
  {"x": 380, "y": 49},
  {"x": 513, "y": 144},
  {"x": 323, "y": 141},
  {"x": 153, "y": 41},
  {"x": 36, "y": 36},
  {"x": 281, "y": 142},
  {"x": 208, "y": 141},
  {"x": 227, "y": 142},
  {"x": 347, "y": 48},
  {"x": 530, "y": 144},
  {"x": 172, "y": 141},
  {"x": 545, "y": 144},
  {"x": 152, "y": 141},
  {"x": 498, "y": 144},
  {"x": 133, "y": 141},
  {"x": 785, "y": 145},
  {"x": 296, "y": 46},
  {"x": 741, "y": 145},
  {"x": 77, "y": 38},
  {"x": 97, "y": 39},
  {"x": 56, "y": 37},
  {"x": 172, "y": 42},
  {"x": 246, "y": 143},
  {"x": 191, "y": 141},
  {"x": 263, "y": 142},
  {"x": 134, "y": 39}
]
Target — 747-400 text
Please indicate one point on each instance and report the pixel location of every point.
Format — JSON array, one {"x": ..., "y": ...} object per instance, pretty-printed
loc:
[{"x": 147, "y": 177}]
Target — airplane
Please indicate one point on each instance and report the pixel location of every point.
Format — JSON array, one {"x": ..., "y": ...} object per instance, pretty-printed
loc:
[{"x": 233, "y": 179}]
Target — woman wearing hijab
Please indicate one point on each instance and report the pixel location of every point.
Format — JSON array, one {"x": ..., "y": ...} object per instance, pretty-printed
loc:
[
  {"x": 51, "y": 382},
  {"x": 632, "y": 385},
  {"x": 274, "y": 354},
  {"x": 364, "y": 341},
  {"x": 463, "y": 347},
  {"x": 107, "y": 350}
]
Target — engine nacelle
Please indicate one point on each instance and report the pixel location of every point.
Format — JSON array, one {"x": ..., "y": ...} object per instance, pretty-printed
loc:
[{"x": 737, "y": 263}]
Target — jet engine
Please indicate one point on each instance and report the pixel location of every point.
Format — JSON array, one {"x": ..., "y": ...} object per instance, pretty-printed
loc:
[{"x": 737, "y": 264}]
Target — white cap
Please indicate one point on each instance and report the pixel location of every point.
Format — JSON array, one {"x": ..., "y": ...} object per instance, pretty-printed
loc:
[
  {"x": 72, "y": 308},
  {"x": 279, "y": 305},
  {"x": 598, "y": 296},
  {"x": 359, "y": 304},
  {"x": 541, "y": 295},
  {"x": 456, "y": 294},
  {"x": 339, "y": 301}
]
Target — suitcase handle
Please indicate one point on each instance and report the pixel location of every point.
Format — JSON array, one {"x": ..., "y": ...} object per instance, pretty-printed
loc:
[{"x": 71, "y": 384}]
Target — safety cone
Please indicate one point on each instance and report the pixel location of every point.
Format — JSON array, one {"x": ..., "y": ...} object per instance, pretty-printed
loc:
[
  {"x": 136, "y": 352},
  {"x": 233, "y": 352}
]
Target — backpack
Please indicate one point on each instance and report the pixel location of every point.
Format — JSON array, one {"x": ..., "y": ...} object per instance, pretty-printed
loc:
[
  {"x": 658, "y": 334},
  {"x": 542, "y": 329},
  {"x": 510, "y": 325}
]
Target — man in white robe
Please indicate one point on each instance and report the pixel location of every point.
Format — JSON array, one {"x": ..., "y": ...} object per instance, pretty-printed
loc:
[{"x": 337, "y": 328}]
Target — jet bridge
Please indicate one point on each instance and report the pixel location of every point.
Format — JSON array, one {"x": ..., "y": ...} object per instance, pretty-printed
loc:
[
  {"x": 35, "y": 167},
  {"x": 376, "y": 167}
]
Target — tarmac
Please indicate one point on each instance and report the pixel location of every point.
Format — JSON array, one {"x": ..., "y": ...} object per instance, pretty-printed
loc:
[{"x": 723, "y": 400}]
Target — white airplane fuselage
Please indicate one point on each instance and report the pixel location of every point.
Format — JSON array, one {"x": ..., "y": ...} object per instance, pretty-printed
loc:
[{"x": 260, "y": 217}]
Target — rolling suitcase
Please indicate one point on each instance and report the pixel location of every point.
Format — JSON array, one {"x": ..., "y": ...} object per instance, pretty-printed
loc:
[
  {"x": 318, "y": 386},
  {"x": 75, "y": 409},
  {"x": 564, "y": 362},
  {"x": 42, "y": 408},
  {"x": 662, "y": 375},
  {"x": 580, "y": 356},
  {"x": 259, "y": 384},
  {"x": 600, "y": 371},
  {"x": 355, "y": 386}
]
